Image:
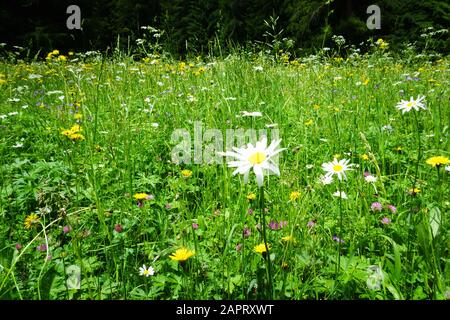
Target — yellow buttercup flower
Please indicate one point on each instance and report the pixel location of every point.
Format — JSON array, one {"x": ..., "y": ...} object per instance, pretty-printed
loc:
[
  {"x": 182, "y": 254},
  {"x": 365, "y": 157},
  {"x": 251, "y": 196},
  {"x": 261, "y": 248},
  {"x": 31, "y": 220},
  {"x": 289, "y": 238},
  {"x": 415, "y": 190},
  {"x": 438, "y": 161},
  {"x": 140, "y": 196}
]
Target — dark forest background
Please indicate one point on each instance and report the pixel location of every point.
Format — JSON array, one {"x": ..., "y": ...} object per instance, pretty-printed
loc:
[{"x": 199, "y": 25}]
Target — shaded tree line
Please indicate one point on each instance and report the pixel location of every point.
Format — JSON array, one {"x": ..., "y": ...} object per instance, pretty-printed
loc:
[{"x": 199, "y": 25}]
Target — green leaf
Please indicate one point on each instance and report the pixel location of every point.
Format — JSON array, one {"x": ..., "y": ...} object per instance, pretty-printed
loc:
[
  {"x": 435, "y": 221},
  {"x": 46, "y": 283}
]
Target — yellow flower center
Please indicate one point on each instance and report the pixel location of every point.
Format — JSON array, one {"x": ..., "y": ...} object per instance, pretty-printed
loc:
[
  {"x": 410, "y": 104},
  {"x": 146, "y": 272},
  {"x": 337, "y": 168},
  {"x": 257, "y": 158}
]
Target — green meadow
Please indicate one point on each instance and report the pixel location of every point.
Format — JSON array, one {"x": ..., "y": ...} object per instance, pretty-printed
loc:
[{"x": 94, "y": 205}]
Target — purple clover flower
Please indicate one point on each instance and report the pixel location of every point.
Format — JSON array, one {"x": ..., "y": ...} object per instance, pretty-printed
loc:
[
  {"x": 392, "y": 208},
  {"x": 376, "y": 206}
]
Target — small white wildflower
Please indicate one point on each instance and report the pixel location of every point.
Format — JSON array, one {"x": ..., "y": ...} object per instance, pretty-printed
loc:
[
  {"x": 370, "y": 179},
  {"x": 341, "y": 194},
  {"x": 34, "y": 76},
  {"x": 144, "y": 271},
  {"x": 18, "y": 145},
  {"x": 251, "y": 114},
  {"x": 325, "y": 180}
]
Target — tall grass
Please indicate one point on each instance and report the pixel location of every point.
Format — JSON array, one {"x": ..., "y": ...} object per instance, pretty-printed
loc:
[{"x": 324, "y": 107}]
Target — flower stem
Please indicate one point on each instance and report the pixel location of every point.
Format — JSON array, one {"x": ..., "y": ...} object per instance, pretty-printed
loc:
[
  {"x": 267, "y": 256},
  {"x": 340, "y": 230},
  {"x": 419, "y": 147}
]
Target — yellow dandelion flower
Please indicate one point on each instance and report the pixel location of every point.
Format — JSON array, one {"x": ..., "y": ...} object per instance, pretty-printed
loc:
[
  {"x": 366, "y": 82},
  {"x": 186, "y": 173},
  {"x": 364, "y": 157},
  {"x": 31, "y": 220},
  {"x": 251, "y": 196},
  {"x": 66, "y": 132},
  {"x": 55, "y": 52},
  {"x": 309, "y": 122},
  {"x": 382, "y": 44},
  {"x": 294, "y": 195},
  {"x": 78, "y": 116},
  {"x": 415, "y": 190},
  {"x": 182, "y": 254},
  {"x": 140, "y": 196},
  {"x": 261, "y": 248},
  {"x": 76, "y": 137},
  {"x": 289, "y": 238},
  {"x": 62, "y": 58},
  {"x": 76, "y": 128},
  {"x": 438, "y": 161}
]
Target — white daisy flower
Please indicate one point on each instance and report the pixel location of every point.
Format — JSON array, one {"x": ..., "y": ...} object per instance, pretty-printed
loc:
[
  {"x": 34, "y": 76},
  {"x": 18, "y": 145},
  {"x": 258, "y": 68},
  {"x": 341, "y": 194},
  {"x": 144, "y": 271},
  {"x": 258, "y": 157},
  {"x": 251, "y": 114},
  {"x": 325, "y": 180},
  {"x": 337, "y": 167},
  {"x": 370, "y": 179},
  {"x": 407, "y": 106}
]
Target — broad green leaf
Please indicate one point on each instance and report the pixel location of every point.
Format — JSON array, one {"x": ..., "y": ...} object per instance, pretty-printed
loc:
[{"x": 435, "y": 221}]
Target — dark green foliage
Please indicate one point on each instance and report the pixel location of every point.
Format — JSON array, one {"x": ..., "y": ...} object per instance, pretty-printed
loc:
[{"x": 193, "y": 25}]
